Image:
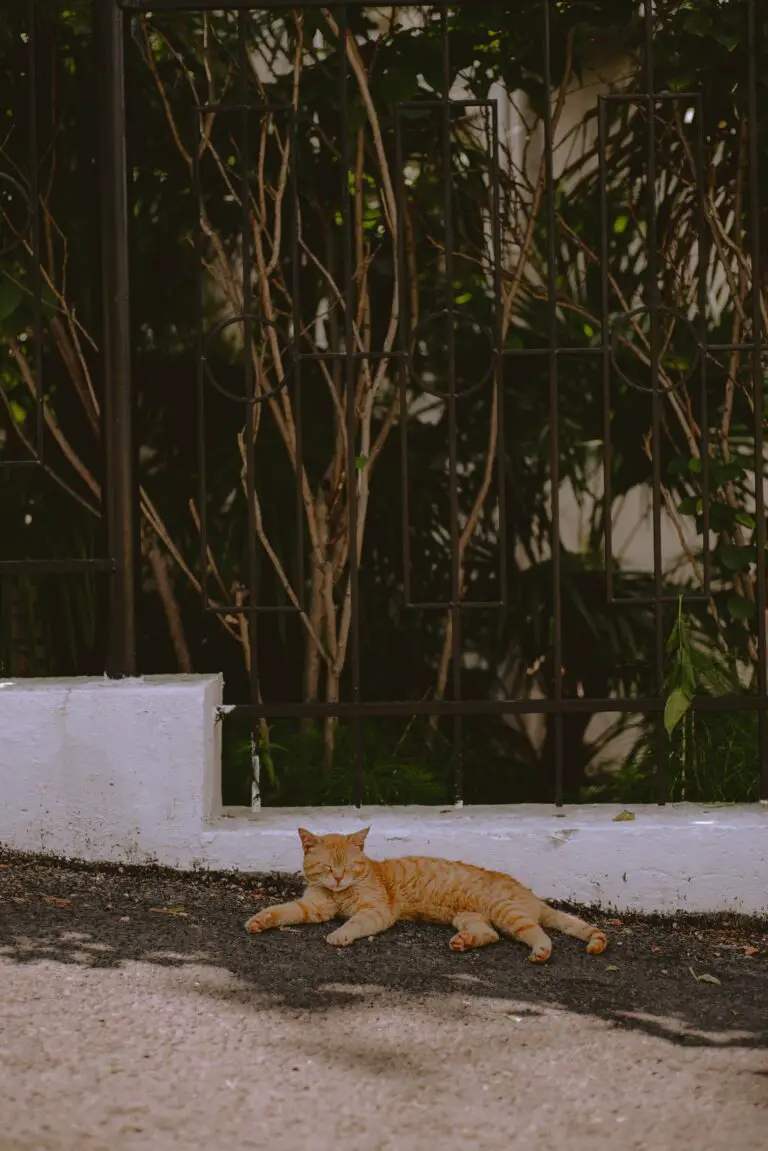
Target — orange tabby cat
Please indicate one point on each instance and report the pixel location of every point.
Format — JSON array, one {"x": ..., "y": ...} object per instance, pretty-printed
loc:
[{"x": 373, "y": 895}]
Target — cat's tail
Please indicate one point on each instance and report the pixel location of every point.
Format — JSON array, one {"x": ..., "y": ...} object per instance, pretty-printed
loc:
[{"x": 595, "y": 939}]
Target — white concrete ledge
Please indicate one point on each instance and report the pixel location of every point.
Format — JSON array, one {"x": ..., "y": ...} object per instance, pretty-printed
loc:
[
  {"x": 130, "y": 772},
  {"x": 683, "y": 857}
]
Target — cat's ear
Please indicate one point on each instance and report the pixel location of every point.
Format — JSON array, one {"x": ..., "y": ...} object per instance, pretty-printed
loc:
[
  {"x": 307, "y": 838},
  {"x": 357, "y": 838}
]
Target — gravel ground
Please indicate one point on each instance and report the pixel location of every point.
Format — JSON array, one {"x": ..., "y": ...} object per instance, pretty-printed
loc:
[{"x": 135, "y": 1013}]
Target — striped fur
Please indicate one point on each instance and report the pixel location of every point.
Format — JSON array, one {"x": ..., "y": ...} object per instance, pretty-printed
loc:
[{"x": 372, "y": 895}]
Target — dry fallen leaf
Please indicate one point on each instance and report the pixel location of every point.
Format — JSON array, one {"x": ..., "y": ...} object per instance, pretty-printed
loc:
[
  {"x": 623, "y": 816},
  {"x": 750, "y": 950},
  {"x": 53, "y": 899},
  {"x": 705, "y": 977},
  {"x": 611, "y": 967},
  {"x": 614, "y": 922},
  {"x": 656, "y": 950},
  {"x": 168, "y": 911}
]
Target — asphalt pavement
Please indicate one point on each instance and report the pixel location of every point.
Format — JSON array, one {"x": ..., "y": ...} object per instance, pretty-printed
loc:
[{"x": 136, "y": 1013}]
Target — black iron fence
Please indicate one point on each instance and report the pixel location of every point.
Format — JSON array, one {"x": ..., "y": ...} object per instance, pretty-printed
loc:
[{"x": 517, "y": 248}]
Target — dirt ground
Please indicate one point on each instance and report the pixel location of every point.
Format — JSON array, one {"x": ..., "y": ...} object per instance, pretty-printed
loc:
[{"x": 136, "y": 1013}]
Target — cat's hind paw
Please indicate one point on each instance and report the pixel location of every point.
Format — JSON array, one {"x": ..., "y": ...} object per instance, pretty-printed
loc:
[
  {"x": 540, "y": 955},
  {"x": 597, "y": 943}
]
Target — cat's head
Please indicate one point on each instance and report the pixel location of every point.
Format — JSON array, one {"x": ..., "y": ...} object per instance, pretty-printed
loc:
[{"x": 334, "y": 861}]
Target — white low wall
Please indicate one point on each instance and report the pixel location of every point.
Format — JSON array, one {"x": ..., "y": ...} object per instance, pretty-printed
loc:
[
  {"x": 125, "y": 770},
  {"x": 130, "y": 772}
]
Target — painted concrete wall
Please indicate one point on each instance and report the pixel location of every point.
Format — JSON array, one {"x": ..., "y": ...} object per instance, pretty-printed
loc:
[
  {"x": 130, "y": 772},
  {"x": 97, "y": 769},
  {"x": 684, "y": 857}
]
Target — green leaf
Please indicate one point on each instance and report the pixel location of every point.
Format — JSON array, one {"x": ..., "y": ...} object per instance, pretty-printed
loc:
[
  {"x": 10, "y": 298},
  {"x": 697, "y": 23},
  {"x": 678, "y": 466},
  {"x": 721, "y": 472},
  {"x": 678, "y": 703},
  {"x": 687, "y": 674},
  {"x": 17, "y": 411},
  {"x": 735, "y": 559},
  {"x": 623, "y": 817},
  {"x": 620, "y": 224},
  {"x": 729, "y": 38},
  {"x": 721, "y": 517},
  {"x": 746, "y": 520},
  {"x": 361, "y": 463},
  {"x": 740, "y": 608},
  {"x": 674, "y": 641},
  {"x": 690, "y": 506}
]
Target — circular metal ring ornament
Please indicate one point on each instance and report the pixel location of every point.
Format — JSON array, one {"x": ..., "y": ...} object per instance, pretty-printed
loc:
[
  {"x": 642, "y": 311},
  {"x": 438, "y": 393},
  {"x": 215, "y": 331}
]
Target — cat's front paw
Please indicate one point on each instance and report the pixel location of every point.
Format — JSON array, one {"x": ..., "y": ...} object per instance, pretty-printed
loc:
[
  {"x": 261, "y": 922},
  {"x": 340, "y": 938}
]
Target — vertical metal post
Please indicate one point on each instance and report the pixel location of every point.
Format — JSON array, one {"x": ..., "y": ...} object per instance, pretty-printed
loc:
[
  {"x": 755, "y": 251},
  {"x": 350, "y": 412},
  {"x": 453, "y": 478},
  {"x": 554, "y": 413},
  {"x": 656, "y": 395},
  {"x": 251, "y": 425},
  {"x": 117, "y": 407}
]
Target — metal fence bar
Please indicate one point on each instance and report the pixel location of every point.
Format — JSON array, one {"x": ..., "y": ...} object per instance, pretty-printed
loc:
[
  {"x": 202, "y": 462},
  {"x": 350, "y": 379},
  {"x": 653, "y": 308},
  {"x": 703, "y": 329},
  {"x": 453, "y": 620},
  {"x": 755, "y": 208},
  {"x": 403, "y": 339},
  {"x": 296, "y": 337},
  {"x": 498, "y": 371},
  {"x": 117, "y": 415},
  {"x": 554, "y": 437},
  {"x": 37, "y": 280},
  {"x": 55, "y": 567},
  {"x": 645, "y": 705},
  {"x": 605, "y": 345},
  {"x": 239, "y": 5},
  {"x": 251, "y": 410}
]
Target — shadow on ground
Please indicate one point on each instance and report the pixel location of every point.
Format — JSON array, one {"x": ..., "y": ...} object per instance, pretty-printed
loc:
[{"x": 648, "y": 980}]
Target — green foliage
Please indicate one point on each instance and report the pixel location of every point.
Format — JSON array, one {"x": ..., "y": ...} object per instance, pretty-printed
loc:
[
  {"x": 681, "y": 679},
  {"x": 714, "y": 756},
  {"x": 395, "y": 769}
]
